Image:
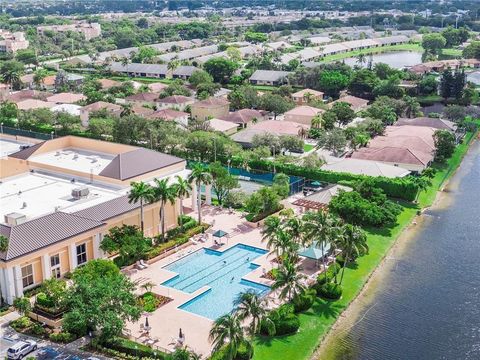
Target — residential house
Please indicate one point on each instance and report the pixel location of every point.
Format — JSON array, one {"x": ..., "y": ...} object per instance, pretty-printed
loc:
[
  {"x": 226, "y": 127},
  {"x": 12, "y": 42},
  {"x": 302, "y": 114},
  {"x": 97, "y": 106},
  {"x": 143, "y": 99},
  {"x": 435, "y": 123},
  {"x": 269, "y": 77},
  {"x": 70, "y": 109},
  {"x": 357, "y": 104},
  {"x": 179, "y": 117},
  {"x": 364, "y": 167},
  {"x": 210, "y": 108},
  {"x": 141, "y": 70},
  {"x": 32, "y": 104},
  {"x": 320, "y": 199},
  {"x": 304, "y": 96},
  {"x": 157, "y": 87},
  {"x": 183, "y": 72},
  {"x": 178, "y": 102},
  {"x": 243, "y": 117},
  {"x": 28, "y": 94},
  {"x": 66, "y": 98},
  {"x": 69, "y": 192},
  {"x": 108, "y": 84},
  {"x": 89, "y": 30}
]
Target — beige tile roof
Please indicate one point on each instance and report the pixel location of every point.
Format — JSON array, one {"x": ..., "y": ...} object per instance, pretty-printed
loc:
[
  {"x": 30, "y": 104},
  {"x": 99, "y": 105},
  {"x": 304, "y": 110},
  {"x": 211, "y": 102},
  {"x": 167, "y": 114},
  {"x": 66, "y": 98},
  {"x": 243, "y": 116}
]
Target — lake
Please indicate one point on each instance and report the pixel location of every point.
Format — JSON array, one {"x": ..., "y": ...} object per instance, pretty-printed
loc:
[
  {"x": 395, "y": 59},
  {"x": 425, "y": 305},
  {"x": 474, "y": 77}
]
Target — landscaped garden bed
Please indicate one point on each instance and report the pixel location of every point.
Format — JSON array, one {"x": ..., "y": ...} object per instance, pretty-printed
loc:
[{"x": 151, "y": 301}]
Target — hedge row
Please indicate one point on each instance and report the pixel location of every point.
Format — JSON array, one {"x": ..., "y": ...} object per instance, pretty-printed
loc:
[{"x": 402, "y": 188}]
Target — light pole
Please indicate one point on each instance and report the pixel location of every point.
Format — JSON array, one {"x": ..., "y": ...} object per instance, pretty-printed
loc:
[{"x": 1, "y": 127}]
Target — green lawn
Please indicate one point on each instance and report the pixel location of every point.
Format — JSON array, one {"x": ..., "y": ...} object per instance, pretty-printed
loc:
[
  {"x": 316, "y": 322},
  {"x": 308, "y": 147},
  {"x": 452, "y": 52},
  {"x": 404, "y": 47}
]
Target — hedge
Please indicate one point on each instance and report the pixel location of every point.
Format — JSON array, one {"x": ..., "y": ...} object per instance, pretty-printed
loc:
[
  {"x": 402, "y": 188},
  {"x": 286, "y": 322},
  {"x": 133, "y": 348},
  {"x": 331, "y": 291},
  {"x": 244, "y": 352}
]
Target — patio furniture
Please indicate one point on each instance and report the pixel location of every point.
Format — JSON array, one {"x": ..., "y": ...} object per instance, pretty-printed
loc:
[
  {"x": 139, "y": 266},
  {"x": 144, "y": 264}
]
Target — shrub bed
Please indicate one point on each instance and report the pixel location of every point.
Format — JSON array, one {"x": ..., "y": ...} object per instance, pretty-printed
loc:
[
  {"x": 62, "y": 337},
  {"x": 244, "y": 352},
  {"x": 331, "y": 291},
  {"x": 304, "y": 301},
  {"x": 151, "y": 301},
  {"x": 127, "y": 347},
  {"x": 285, "y": 320},
  {"x": 259, "y": 217}
]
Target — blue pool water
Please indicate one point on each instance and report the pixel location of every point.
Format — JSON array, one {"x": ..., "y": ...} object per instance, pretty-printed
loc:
[{"x": 206, "y": 267}]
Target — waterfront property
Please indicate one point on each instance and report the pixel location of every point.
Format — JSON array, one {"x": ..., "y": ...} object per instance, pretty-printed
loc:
[{"x": 59, "y": 197}]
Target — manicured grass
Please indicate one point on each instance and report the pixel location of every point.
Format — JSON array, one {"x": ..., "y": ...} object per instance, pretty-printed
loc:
[
  {"x": 402, "y": 47},
  {"x": 429, "y": 99},
  {"x": 145, "y": 80},
  {"x": 315, "y": 323},
  {"x": 452, "y": 52},
  {"x": 308, "y": 147}
]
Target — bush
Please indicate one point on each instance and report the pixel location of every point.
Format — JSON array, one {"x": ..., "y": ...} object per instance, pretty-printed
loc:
[
  {"x": 21, "y": 323},
  {"x": 235, "y": 199},
  {"x": 331, "y": 291},
  {"x": 244, "y": 352},
  {"x": 62, "y": 337},
  {"x": 285, "y": 320},
  {"x": 37, "y": 329},
  {"x": 304, "y": 301},
  {"x": 133, "y": 348}
]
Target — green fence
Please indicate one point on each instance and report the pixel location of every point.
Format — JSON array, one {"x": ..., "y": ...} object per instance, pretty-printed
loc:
[{"x": 26, "y": 133}]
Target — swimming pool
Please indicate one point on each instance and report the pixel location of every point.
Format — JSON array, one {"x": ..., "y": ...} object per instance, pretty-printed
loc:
[{"x": 221, "y": 272}]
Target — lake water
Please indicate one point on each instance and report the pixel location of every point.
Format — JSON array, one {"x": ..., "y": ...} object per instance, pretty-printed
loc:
[
  {"x": 395, "y": 59},
  {"x": 474, "y": 77},
  {"x": 427, "y": 304}
]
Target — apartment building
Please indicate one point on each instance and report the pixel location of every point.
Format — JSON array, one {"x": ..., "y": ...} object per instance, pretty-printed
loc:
[
  {"x": 12, "y": 42},
  {"x": 89, "y": 30},
  {"x": 60, "y": 197}
]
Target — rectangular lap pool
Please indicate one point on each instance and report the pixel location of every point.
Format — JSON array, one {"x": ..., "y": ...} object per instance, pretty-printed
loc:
[{"x": 221, "y": 272}]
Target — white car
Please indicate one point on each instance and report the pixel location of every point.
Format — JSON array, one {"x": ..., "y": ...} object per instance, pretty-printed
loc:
[{"x": 21, "y": 348}]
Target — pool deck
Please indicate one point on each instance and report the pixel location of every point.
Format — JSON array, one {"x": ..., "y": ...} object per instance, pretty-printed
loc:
[{"x": 166, "y": 321}]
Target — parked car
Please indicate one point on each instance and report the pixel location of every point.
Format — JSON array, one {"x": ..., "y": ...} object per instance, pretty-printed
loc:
[{"x": 21, "y": 348}]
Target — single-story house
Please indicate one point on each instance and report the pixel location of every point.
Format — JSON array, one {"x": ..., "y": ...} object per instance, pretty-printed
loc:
[
  {"x": 278, "y": 45},
  {"x": 31, "y": 104},
  {"x": 269, "y": 77},
  {"x": 210, "y": 108},
  {"x": 97, "y": 106},
  {"x": 184, "y": 72},
  {"x": 243, "y": 117},
  {"x": 304, "y": 96},
  {"x": 141, "y": 70},
  {"x": 179, "y": 117},
  {"x": 157, "y": 87},
  {"x": 302, "y": 114},
  {"x": 319, "y": 40},
  {"x": 435, "y": 123},
  {"x": 392, "y": 40},
  {"x": 28, "y": 94},
  {"x": 71, "y": 109},
  {"x": 66, "y": 98},
  {"x": 179, "y": 102},
  {"x": 225, "y": 127},
  {"x": 147, "y": 98},
  {"x": 108, "y": 84},
  {"x": 356, "y": 103},
  {"x": 365, "y": 167}
]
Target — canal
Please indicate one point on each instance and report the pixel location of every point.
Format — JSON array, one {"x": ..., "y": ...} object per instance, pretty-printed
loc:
[{"x": 424, "y": 303}]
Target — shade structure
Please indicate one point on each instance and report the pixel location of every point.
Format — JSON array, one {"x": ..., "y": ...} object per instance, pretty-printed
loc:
[
  {"x": 219, "y": 233},
  {"x": 316, "y": 183},
  {"x": 147, "y": 325},
  {"x": 314, "y": 252}
]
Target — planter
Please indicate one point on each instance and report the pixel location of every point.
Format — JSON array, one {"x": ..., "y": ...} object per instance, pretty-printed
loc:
[
  {"x": 54, "y": 324},
  {"x": 261, "y": 222}
]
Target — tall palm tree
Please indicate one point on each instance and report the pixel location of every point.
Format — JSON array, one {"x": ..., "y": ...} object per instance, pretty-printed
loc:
[
  {"x": 317, "y": 231},
  {"x": 182, "y": 189},
  {"x": 353, "y": 242},
  {"x": 361, "y": 59},
  {"x": 289, "y": 279},
  {"x": 272, "y": 223},
  {"x": 143, "y": 193},
  {"x": 39, "y": 77},
  {"x": 163, "y": 193},
  {"x": 11, "y": 77},
  {"x": 250, "y": 305},
  {"x": 317, "y": 121},
  {"x": 281, "y": 243},
  {"x": 227, "y": 329},
  {"x": 412, "y": 107},
  {"x": 199, "y": 176}
]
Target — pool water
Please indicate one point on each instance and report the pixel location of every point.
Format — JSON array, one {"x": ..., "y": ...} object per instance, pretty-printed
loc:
[{"x": 221, "y": 272}]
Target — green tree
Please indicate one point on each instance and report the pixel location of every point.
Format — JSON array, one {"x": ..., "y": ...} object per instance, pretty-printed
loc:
[
  {"x": 433, "y": 42},
  {"x": 252, "y": 306},
  {"x": 39, "y": 77},
  {"x": 256, "y": 37},
  {"x": 444, "y": 145},
  {"x": 289, "y": 280},
  {"x": 10, "y": 72},
  {"x": 22, "y": 305},
  {"x": 8, "y": 110},
  {"x": 182, "y": 190},
  {"x": 472, "y": 51},
  {"x": 199, "y": 176},
  {"x": 332, "y": 82},
  {"x": 353, "y": 243},
  {"x": 276, "y": 104},
  {"x": 222, "y": 181},
  {"x": 362, "y": 83},
  {"x": 163, "y": 193},
  {"x": 128, "y": 241},
  {"x": 344, "y": 112},
  {"x": 243, "y": 97},
  {"x": 227, "y": 330},
  {"x": 220, "y": 69},
  {"x": 143, "y": 193},
  {"x": 199, "y": 77},
  {"x": 100, "y": 299},
  {"x": 3, "y": 243},
  {"x": 412, "y": 106},
  {"x": 333, "y": 140},
  {"x": 281, "y": 184},
  {"x": 291, "y": 143}
]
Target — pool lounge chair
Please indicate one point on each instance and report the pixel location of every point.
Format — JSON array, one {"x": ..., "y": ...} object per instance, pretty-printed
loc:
[
  {"x": 139, "y": 266},
  {"x": 144, "y": 264}
]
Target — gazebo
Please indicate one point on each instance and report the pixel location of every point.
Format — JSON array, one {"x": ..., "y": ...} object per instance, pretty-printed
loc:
[{"x": 313, "y": 252}]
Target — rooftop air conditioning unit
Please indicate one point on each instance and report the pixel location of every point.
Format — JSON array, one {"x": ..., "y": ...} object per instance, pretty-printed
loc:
[
  {"x": 15, "y": 218},
  {"x": 80, "y": 192}
]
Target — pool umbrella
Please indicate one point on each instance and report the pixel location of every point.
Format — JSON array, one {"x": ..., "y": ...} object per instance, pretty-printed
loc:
[
  {"x": 180, "y": 334},
  {"x": 147, "y": 325},
  {"x": 316, "y": 183},
  {"x": 219, "y": 233}
]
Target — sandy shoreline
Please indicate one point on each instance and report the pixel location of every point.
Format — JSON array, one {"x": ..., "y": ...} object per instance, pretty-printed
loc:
[{"x": 364, "y": 301}]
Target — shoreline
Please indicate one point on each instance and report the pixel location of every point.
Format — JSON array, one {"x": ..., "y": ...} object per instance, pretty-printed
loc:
[{"x": 351, "y": 315}]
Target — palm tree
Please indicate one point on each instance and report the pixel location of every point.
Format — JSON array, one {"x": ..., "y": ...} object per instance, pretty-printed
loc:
[
  {"x": 142, "y": 192},
  {"x": 272, "y": 223},
  {"x": 317, "y": 231},
  {"x": 163, "y": 193},
  {"x": 39, "y": 77},
  {"x": 182, "y": 190},
  {"x": 281, "y": 243},
  {"x": 11, "y": 77},
  {"x": 412, "y": 106},
  {"x": 199, "y": 176},
  {"x": 126, "y": 110},
  {"x": 317, "y": 121},
  {"x": 361, "y": 59},
  {"x": 353, "y": 242},
  {"x": 227, "y": 329},
  {"x": 289, "y": 279},
  {"x": 250, "y": 305}
]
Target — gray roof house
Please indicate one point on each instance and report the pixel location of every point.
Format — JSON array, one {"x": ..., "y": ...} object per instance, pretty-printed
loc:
[
  {"x": 183, "y": 72},
  {"x": 269, "y": 77},
  {"x": 141, "y": 70}
]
